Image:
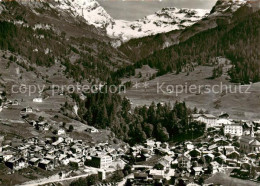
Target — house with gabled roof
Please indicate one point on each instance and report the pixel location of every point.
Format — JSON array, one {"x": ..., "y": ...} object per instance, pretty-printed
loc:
[
  {"x": 46, "y": 164},
  {"x": 16, "y": 163}
]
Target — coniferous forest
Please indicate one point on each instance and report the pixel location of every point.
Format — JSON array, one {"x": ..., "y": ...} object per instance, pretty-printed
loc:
[
  {"x": 163, "y": 122},
  {"x": 238, "y": 41}
]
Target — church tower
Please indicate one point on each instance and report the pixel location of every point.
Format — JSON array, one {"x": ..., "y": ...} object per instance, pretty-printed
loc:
[{"x": 252, "y": 133}]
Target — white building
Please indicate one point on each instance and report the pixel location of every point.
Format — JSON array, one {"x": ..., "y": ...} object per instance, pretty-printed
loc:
[
  {"x": 209, "y": 119},
  {"x": 223, "y": 121},
  {"x": 233, "y": 129},
  {"x": 61, "y": 132},
  {"x": 92, "y": 130},
  {"x": 28, "y": 109},
  {"x": 37, "y": 100}
]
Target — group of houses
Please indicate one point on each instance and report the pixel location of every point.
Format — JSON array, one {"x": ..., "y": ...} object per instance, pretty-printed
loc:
[
  {"x": 49, "y": 154},
  {"x": 185, "y": 162},
  {"x": 242, "y": 129},
  {"x": 188, "y": 162}
]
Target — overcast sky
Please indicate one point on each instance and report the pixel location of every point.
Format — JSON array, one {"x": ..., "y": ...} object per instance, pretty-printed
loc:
[{"x": 135, "y": 9}]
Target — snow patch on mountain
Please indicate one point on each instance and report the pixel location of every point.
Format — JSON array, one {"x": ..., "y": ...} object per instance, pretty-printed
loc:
[{"x": 165, "y": 20}]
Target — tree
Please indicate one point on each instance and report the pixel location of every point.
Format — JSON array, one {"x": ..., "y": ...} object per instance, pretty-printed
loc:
[
  {"x": 4, "y": 93},
  {"x": 201, "y": 180},
  {"x": 148, "y": 129},
  {"x": 194, "y": 153},
  {"x": 74, "y": 165},
  {"x": 118, "y": 175},
  {"x": 41, "y": 119},
  {"x": 127, "y": 170},
  {"x": 228, "y": 136},
  {"x": 162, "y": 134},
  {"x": 90, "y": 180},
  {"x": 71, "y": 128}
]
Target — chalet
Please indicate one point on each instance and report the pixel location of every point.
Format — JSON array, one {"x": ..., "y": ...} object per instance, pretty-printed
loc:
[
  {"x": 233, "y": 155},
  {"x": 197, "y": 171},
  {"x": 7, "y": 155},
  {"x": 215, "y": 166},
  {"x": 150, "y": 143},
  {"x": 165, "y": 162},
  {"x": 63, "y": 159},
  {"x": 37, "y": 100},
  {"x": 16, "y": 163},
  {"x": 28, "y": 110},
  {"x": 61, "y": 132},
  {"x": 77, "y": 161},
  {"x": 34, "y": 162},
  {"x": 41, "y": 125},
  {"x": 46, "y": 164},
  {"x": 189, "y": 146},
  {"x": 92, "y": 130},
  {"x": 52, "y": 158},
  {"x": 15, "y": 103},
  {"x": 209, "y": 157},
  {"x": 76, "y": 149}
]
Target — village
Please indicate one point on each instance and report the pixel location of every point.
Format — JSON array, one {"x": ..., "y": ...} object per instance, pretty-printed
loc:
[{"x": 228, "y": 146}]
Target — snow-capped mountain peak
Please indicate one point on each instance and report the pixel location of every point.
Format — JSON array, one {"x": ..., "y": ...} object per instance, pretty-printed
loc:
[
  {"x": 223, "y": 6},
  {"x": 165, "y": 20},
  {"x": 90, "y": 10}
]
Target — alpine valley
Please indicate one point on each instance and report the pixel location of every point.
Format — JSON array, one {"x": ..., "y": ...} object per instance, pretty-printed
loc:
[{"x": 80, "y": 90}]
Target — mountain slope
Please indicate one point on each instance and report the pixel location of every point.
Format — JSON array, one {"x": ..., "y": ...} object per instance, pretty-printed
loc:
[
  {"x": 238, "y": 39},
  {"x": 45, "y": 35},
  {"x": 224, "y": 12}
]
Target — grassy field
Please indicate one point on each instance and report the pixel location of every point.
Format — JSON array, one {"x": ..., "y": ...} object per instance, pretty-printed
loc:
[
  {"x": 223, "y": 179},
  {"x": 238, "y": 105}
]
